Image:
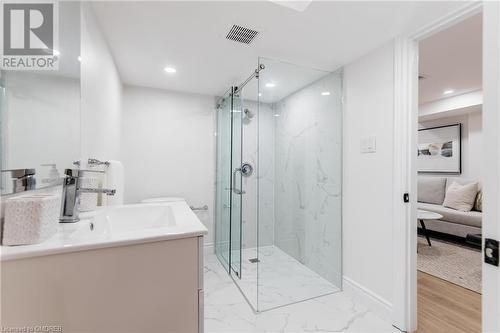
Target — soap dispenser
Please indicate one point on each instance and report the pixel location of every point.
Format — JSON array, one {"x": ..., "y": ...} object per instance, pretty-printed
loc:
[{"x": 54, "y": 178}]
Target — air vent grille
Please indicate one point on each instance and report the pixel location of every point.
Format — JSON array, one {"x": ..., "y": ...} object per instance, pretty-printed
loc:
[{"x": 242, "y": 34}]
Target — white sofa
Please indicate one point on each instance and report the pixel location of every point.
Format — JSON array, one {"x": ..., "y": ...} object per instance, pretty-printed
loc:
[{"x": 431, "y": 193}]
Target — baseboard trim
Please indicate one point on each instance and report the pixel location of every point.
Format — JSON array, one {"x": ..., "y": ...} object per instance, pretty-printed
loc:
[
  {"x": 208, "y": 248},
  {"x": 378, "y": 305}
]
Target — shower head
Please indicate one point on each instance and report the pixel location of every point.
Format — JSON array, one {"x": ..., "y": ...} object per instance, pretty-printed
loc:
[{"x": 248, "y": 113}]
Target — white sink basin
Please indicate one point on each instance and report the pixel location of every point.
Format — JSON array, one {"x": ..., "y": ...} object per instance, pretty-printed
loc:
[
  {"x": 135, "y": 217},
  {"x": 114, "y": 226},
  {"x": 125, "y": 219}
]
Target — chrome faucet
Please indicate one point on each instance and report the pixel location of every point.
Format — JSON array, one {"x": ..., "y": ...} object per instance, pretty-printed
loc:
[
  {"x": 71, "y": 194},
  {"x": 22, "y": 179}
]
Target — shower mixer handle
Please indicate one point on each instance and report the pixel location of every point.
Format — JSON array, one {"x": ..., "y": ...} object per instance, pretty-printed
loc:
[
  {"x": 235, "y": 189},
  {"x": 246, "y": 169}
]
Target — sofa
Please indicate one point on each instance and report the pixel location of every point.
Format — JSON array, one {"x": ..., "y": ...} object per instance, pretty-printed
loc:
[{"x": 431, "y": 195}]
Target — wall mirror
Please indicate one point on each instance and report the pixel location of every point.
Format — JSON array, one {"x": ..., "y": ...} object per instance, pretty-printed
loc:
[{"x": 40, "y": 111}]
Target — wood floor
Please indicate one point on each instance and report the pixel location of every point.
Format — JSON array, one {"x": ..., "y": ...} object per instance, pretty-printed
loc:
[{"x": 445, "y": 307}]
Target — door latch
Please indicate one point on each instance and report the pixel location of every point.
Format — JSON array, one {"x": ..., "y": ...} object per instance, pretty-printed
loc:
[
  {"x": 491, "y": 251},
  {"x": 406, "y": 197}
]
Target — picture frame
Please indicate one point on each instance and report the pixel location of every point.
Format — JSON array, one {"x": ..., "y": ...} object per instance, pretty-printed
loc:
[{"x": 440, "y": 150}]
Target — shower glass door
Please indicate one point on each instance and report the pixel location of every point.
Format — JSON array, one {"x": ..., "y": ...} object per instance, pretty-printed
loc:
[
  {"x": 223, "y": 180},
  {"x": 229, "y": 182},
  {"x": 236, "y": 182}
]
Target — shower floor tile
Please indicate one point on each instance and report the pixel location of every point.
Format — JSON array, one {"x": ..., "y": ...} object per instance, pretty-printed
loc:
[
  {"x": 281, "y": 279},
  {"x": 227, "y": 311}
]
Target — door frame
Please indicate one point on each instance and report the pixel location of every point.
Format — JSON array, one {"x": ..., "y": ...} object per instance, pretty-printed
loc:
[
  {"x": 491, "y": 162},
  {"x": 404, "y": 163}
]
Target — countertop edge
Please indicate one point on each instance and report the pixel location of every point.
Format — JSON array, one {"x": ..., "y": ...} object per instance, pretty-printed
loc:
[{"x": 95, "y": 246}]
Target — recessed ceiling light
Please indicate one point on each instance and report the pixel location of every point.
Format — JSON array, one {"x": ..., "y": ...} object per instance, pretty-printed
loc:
[
  {"x": 260, "y": 94},
  {"x": 325, "y": 93},
  {"x": 270, "y": 85},
  {"x": 449, "y": 91},
  {"x": 79, "y": 58},
  {"x": 276, "y": 115},
  {"x": 170, "y": 70}
]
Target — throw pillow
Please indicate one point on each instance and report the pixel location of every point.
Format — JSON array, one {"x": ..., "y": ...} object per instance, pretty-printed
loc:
[
  {"x": 478, "y": 203},
  {"x": 461, "y": 197}
]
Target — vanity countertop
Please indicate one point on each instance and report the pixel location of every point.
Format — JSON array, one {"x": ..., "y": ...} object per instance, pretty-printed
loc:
[{"x": 115, "y": 226}]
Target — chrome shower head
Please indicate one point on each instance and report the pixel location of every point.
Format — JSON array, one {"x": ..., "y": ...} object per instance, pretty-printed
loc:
[{"x": 248, "y": 113}]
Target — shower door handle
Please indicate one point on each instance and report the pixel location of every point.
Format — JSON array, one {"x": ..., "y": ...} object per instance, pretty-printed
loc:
[{"x": 235, "y": 189}]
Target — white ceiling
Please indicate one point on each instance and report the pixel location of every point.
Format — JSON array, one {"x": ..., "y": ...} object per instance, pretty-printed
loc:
[
  {"x": 451, "y": 60},
  {"x": 147, "y": 36}
]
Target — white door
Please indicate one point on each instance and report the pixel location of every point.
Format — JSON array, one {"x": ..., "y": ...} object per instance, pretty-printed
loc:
[{"x": 491, "y": 132}]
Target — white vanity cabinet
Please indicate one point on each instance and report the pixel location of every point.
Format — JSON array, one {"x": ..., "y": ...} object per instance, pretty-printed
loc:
[{"x": 155, "y": 286}]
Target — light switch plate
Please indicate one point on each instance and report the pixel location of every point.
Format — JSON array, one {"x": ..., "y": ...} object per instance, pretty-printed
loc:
[{"x": 368, "y": 145}]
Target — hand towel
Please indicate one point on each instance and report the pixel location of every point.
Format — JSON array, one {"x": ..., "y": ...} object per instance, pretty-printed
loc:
[{"x": 115, "y": 179}]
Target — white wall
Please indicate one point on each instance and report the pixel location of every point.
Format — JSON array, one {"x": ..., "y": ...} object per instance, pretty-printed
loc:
[
  {"x": 472, "y": 143},
  {"x": 367, "y": 180},
  {"x": 101, "y": 92},
  {"x": 168, "y": 147}
]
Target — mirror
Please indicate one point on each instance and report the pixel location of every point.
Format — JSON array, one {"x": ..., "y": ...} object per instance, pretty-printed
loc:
[{"x": 40, "y": 111}]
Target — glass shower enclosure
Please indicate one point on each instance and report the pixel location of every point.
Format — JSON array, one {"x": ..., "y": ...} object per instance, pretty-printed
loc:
[{"x": 278, "y": 219}]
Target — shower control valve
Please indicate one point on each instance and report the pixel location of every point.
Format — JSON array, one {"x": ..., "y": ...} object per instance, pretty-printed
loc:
[{"x": 246, "y": 169}]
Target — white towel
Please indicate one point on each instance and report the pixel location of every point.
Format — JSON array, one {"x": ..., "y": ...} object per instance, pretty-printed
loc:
[
  {"x": 115, "y": 179},
  {"x": 90, "y": 201}
]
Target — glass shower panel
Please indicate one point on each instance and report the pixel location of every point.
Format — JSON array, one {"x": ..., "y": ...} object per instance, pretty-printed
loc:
[
  {"x": 223, "y": 180},
  {"x": 300, "y": 173},
  {"x": 236, "y": 181},
  {"x": 246, "y": 102}
]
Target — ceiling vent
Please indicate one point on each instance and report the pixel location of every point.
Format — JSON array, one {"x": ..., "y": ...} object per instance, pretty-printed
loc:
[{"x": 241, "y": 34}]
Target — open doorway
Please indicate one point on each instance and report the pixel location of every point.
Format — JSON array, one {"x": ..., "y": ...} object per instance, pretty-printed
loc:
[{"x": 449, "y": 180}]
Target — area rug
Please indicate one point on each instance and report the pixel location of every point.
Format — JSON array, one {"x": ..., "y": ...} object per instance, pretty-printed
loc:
[{"x": 455, "y": 263}]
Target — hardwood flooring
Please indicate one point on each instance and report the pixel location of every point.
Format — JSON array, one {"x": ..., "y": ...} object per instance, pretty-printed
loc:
[{"x": 446, "y": 307}]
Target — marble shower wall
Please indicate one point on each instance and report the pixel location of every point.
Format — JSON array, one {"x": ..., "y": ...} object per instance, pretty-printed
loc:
[
  {"x": 308, "y": 176},
  {"x": 263, "y": 163}
]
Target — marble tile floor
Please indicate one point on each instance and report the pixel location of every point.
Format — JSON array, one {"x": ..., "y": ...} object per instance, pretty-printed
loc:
[
  {"x": 282, "y": 279},
  {"x": 227, "y": 311}
]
